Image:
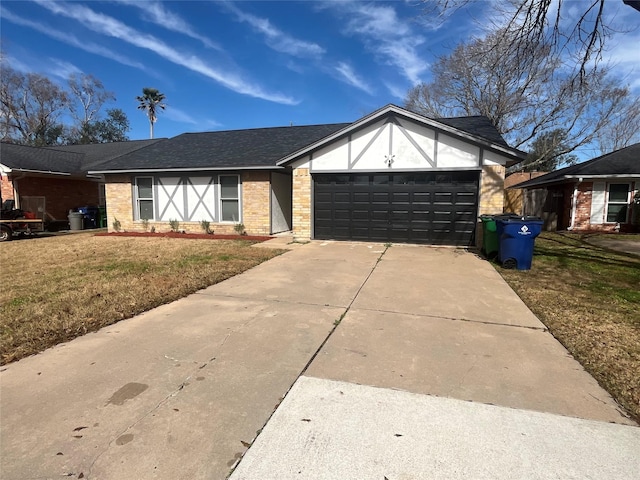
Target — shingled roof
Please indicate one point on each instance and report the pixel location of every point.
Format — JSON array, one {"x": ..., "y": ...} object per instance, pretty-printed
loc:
[
  {"x": 230, "y": 149},
  {"x": 43, "y": 160},
  {"x": 479, "y": 126},
  {"x": 98, "y": 153},
  {"x": 621, "y": 163}
]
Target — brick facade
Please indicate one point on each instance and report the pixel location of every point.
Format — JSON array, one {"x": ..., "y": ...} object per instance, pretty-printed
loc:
[
  {"x": 6, "y": 188},
  {"x": 255, "y": 205},
  {"x": 491, "y": 199},
  {"x": 61, "y": 194},
  {"x": 301, "y": 204}
]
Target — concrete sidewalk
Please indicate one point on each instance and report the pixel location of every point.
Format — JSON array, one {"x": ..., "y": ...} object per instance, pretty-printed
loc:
[{"x": 182, "y": 390}]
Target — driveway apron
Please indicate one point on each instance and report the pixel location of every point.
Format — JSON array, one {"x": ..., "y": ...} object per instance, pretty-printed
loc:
[{"x": 180, "y": 391}]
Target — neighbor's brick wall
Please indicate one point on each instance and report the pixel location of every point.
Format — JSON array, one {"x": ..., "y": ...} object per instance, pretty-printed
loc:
[
  {"x": 301, "y": 203},
  {"x": 514, "y": 197},
  {"x": 61, "y": 194},
  {"x": 256, "y": 194},
  {"x": 583, "y": 207},
  {"x": 6, "y": 188}
]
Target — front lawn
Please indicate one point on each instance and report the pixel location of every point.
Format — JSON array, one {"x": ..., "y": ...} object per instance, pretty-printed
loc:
[
  {"x": 589, "y": 298},
  {"x": 55, "y": 289}
]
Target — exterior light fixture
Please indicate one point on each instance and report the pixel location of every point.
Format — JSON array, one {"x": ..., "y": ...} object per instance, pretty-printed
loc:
[{"x": 388, "y": 159}]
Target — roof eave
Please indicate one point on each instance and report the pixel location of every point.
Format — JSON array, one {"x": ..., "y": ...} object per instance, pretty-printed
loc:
[{"x": 183, "y": 169}]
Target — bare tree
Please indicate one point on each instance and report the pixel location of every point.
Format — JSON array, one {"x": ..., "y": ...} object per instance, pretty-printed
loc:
[
  {"x": 88, "y": 96},
  {"x": 577, "y": 29},
  {"x": 30, "y": 108},
  {"x": 524, "y": 96}
]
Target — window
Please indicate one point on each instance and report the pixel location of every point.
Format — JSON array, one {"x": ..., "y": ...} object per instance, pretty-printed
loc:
[
  {"x": 144, "y": 198},
  {"x": 229, "y": 198},
  {"x": 617, "y": 202}
]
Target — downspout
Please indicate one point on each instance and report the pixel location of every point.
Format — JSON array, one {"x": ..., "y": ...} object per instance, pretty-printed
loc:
[{"x": 574, "y": 204}]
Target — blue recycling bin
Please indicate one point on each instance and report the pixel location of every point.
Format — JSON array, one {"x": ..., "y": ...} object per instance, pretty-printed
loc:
[
  {"x": 91, "y": 216},
  {"x": 517, "y": 239}
]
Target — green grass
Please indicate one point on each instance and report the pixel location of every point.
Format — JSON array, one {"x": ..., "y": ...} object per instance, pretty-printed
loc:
[
  {"x": 81, "y": 283},
  {"x": 589, "y": 298}
]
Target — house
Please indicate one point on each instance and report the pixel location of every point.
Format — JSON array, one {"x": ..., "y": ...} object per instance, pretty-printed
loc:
[
  {"x": 513, "y": 195},
  {"x": 54, "y": 180},
  {"x": 392, "y": 175},
  {"x": 600, "y": 194}
]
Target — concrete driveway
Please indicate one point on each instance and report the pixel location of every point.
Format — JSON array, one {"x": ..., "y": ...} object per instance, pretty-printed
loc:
[{"x": 183, "y": 390}]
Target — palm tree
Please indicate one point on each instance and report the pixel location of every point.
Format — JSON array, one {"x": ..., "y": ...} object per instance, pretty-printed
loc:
[{"x": 150, "y": 100}]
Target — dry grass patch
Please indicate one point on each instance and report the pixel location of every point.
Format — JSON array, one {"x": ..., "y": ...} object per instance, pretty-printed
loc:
[
  {"x": 55, "y": 289},
  {"x": 589, "y": 298}
]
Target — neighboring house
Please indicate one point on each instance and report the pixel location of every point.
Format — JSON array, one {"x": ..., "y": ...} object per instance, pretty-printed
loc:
[
  {"x": 513, "y": 194},
  {"x": 56, "y": 177},
  {"x": 599, "y": 194},
  {"x": 391, "y": 176}
]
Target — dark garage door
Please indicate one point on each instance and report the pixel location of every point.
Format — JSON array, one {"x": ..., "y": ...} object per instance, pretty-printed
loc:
[{"x": 432, "y": 208}]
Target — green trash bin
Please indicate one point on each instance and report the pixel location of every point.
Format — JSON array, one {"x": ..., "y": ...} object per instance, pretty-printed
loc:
[
  {"x": 102, "y": 215},
  {"x": 490, "y": 239}
]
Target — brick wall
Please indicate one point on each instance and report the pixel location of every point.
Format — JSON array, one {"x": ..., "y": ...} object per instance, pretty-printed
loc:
[
  {"x": 62, "y": 194},
  {"x": 6, "y": 188},
  {"x": 256, "y": 197},
  {"x": 491, "y": 190},
  {"x": 255, "y": 204},
  {"x": 301, "y": 204},
  {"x": 583, "y": 207}
]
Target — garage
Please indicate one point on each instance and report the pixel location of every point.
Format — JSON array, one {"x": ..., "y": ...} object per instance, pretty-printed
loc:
[{"x": 438, "y": 208}]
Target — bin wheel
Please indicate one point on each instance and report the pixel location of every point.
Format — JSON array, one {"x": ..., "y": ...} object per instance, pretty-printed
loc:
[
  {"x": 510, "y": 263},
  {"x": 5, "y": 233}
]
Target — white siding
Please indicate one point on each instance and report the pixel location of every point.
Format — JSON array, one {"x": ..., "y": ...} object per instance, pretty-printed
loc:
[
  {"x": 170, "y": 199},
  {"x": 492, "y": 158},
  {"x": 201, "y": 198},
  {"x": 598, "y": 198},
  {"x": 454, "y": 153}
]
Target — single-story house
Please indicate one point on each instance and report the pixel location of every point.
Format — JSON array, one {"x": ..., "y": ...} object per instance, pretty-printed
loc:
[
  {"x": 392, "y": 175},
  {"x": 600, "y": 194},
  {"x": 53, "y": 180}
]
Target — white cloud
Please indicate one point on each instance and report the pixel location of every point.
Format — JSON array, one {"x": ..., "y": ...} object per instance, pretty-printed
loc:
[
  {"x": 276, "y": 38},
  {"x": 112, "y": 27},
  {"x": 155, "y": 12},
  {"x": 180, "y": 116},
  {"x": 349, "y": 76},
  {"x": 396, "y": 91},
  {"x": 61, "y": 68},
  {"x": 70, "y": 39},
  {"x": 387, "y": 36}
]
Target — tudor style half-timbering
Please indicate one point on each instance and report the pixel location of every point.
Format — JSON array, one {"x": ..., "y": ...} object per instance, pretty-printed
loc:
[{"x": 397, "y": 176}]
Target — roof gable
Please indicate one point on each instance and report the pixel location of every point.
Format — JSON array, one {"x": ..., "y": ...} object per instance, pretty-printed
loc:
[{"x": 476, "y": 130}]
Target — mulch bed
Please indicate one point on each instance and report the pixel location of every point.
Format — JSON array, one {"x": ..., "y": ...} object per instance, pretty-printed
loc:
[{"x": 191, "y": 236}]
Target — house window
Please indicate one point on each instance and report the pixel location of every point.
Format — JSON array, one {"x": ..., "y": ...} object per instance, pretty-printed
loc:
[
  {"x": 229, "y": 198},
  {"x": 144, "y": 198},
  {"x": 617, "y": 202}
]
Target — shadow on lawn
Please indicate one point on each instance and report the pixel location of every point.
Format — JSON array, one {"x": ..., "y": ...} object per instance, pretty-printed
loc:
[{"x": 576, "y": 248}]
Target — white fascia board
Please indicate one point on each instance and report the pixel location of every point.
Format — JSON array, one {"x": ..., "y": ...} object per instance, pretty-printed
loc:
[
  {"x": 599, "y": 177},
  {"x": 512, "y": 152},
  {"x": 169, "y": 170},
  {"x": 47, "y": 172},
  {"x": 4, "y": 168}
]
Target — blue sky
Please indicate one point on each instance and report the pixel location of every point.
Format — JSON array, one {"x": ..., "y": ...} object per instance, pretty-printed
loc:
[{"x": 230, "y": 65}]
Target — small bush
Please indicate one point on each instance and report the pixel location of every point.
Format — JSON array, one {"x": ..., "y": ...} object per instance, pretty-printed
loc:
[
  {"x": 174, "y": 225},
  {"x": 206, "y": 226},
  {"x": 117, "y": 226},
  {"x": 239, "y": 228},
  {"x": 145, "y": 224}
]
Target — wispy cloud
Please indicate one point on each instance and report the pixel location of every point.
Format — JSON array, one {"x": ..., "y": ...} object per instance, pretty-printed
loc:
[
  {"x": 180, "y": 116},
  {"x": 62, "y": 69},
  {"x": 276, "y": 38},
  {"x": 389, "y": 38},
  {"x": 396, "y": 91},
  {"x": 112, "y": 27},
  {"x": 69, "y": 39},
  {"x": 156, "y": 13},
  {"x": 349, "y": 76}
]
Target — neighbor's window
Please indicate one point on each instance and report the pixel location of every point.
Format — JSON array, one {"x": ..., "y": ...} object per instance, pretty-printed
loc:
[
  {"x": 229, "y": 198},
  {"x": 617, "y": 202},
  {"x": 144, "y": 198}
]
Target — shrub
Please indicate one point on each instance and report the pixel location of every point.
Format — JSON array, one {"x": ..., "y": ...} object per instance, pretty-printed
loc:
[
  {"x": 117, "y": 226},
  {"x": 239, "y": 228},
  {"x": 206, "y": 226},
  {"x": 174, "y": 225}
]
